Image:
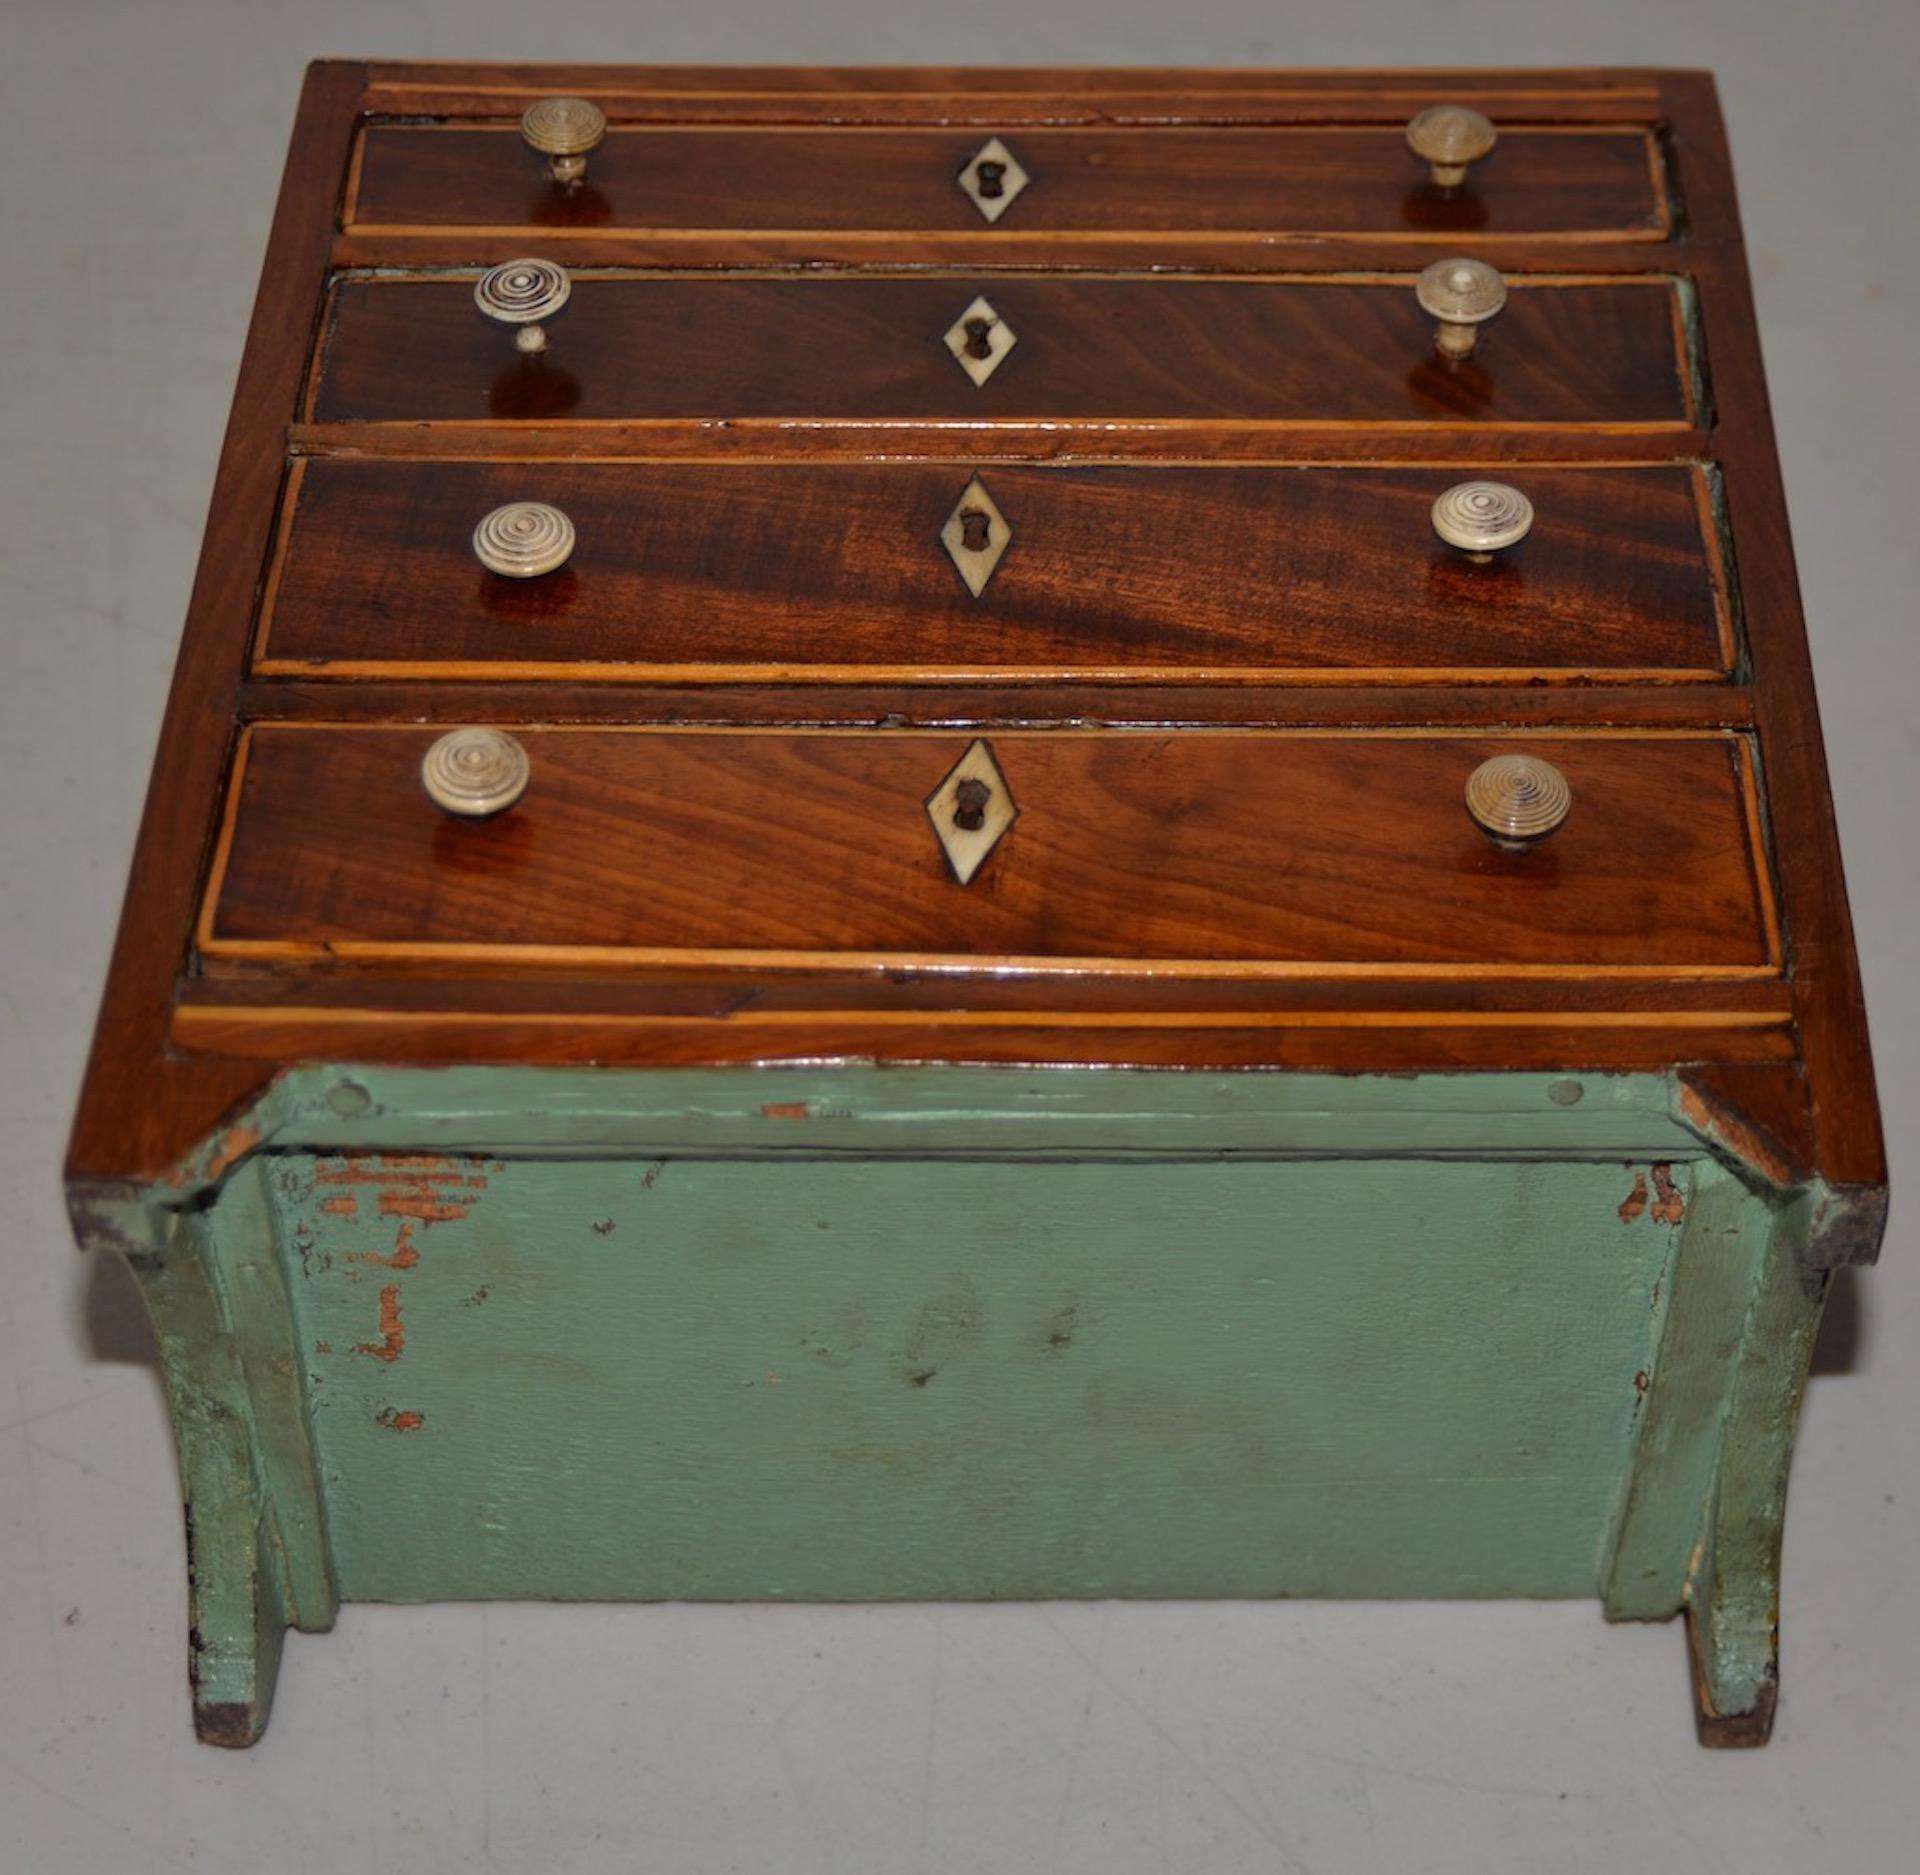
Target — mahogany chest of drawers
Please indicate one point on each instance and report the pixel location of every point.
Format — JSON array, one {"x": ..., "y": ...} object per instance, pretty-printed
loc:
[{"x": 990, "y": 834}]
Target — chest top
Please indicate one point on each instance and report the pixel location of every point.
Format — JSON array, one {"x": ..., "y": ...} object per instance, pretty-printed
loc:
[{"x": 1111, "y": 568}]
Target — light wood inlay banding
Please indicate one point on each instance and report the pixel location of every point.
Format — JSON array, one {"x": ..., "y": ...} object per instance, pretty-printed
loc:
[{"x": 1274, "y": 854}]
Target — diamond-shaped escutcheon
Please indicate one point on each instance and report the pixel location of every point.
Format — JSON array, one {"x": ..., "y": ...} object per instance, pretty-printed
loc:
[
  {"x": 975, "y": 536},
  {"x": 979, "y": 339},
  {"x": 992, "y": 178},
  {"x": 970, "y": 810}
]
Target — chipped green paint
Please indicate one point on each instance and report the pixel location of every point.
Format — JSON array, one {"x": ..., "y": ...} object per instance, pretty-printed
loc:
[
  {"x": 1021, "y": 1112},
  {"x": 1733, "y": 1586},
  {"x": 857, "y": 1379},
  {"x": 255, "y": 1557},
  {"x": 831, "y": 1333},
  {"x": 1678, "y": 1444}
]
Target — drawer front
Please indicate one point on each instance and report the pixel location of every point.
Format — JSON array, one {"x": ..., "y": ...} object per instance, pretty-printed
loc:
[
  {"x": 1235, "y": 854},
  {"x": 843, "y": 571},
  {"x": 1310, "y": 179},
  {"x": 859, "y": 351}
]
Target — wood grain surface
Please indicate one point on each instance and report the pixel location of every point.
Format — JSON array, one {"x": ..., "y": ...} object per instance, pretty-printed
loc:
[
  {"x": 865, "y": 350},
  {"x": 140, "y": 1108},
  {"x": 982, "y": 704},
  {"x": 1603, "y": 1041},
  {"x": 1849, "y": 1142},
  {"x": 1595, "y": 183},
  {"x": 633, "y": 1015},
  {"x": 1001, "y": 95},
  {"x": 1586, "y": 374},
  {"x": 744, "y": 571},
  {"x": 1237, "y": 853}
]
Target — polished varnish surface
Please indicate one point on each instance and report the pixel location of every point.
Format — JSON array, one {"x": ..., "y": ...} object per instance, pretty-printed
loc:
[
  {"x": 1011, "y": 94},
  {"x": 837, "y": 570},
  {"x": 858, "y": 351},
  {"x": 759, "y": 433},
  {"x": 1326, "y": 178},
  {"x": 1133, "y": 850}
]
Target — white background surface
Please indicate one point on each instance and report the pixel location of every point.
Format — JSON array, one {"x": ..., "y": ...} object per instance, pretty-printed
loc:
[{"x": 144, "y": 142}]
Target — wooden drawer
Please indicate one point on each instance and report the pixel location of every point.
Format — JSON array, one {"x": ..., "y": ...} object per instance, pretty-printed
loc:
[
  {"x": 1589, "y": 180},
  {"x": 755, "y": 571},
  {"x": 862, "y": 352},
  {"x": 1238, "y": 854}
]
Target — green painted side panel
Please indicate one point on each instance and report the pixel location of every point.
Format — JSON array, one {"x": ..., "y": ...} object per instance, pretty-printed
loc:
[
  {"x": 778, "y": 1375},
  {"x": 1734, "y": 1592},
  {"x": 236, "y": 1613},
  {"x": 1720, "y": 1248},
  {"x": 249, "y": 1277}
]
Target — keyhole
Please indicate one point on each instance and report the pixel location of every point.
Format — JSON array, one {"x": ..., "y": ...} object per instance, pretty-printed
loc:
[
  {"x": 978, "y": 344},
  {"x": 976, "y": 526},
  {"x": 990, "y": 179},
  {"x": 970, "y": 805}
]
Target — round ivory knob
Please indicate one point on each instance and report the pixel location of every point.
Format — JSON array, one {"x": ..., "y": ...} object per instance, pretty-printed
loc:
[
  {"x": 475, "y": 772},
  {"x": 522, "y": 293},
  {"x": 1449, "y": 137},
  {"x": 1517, "y": 799},
  {"x": 1480, "y": 518},
  {"x": 523, "y": 540},
  {"x": 1462, "y": 295},
  {"x": 563, "y": 130}
]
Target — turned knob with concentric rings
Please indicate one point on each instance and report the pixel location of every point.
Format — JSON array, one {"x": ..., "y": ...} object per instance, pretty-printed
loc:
[
  {"x": 523, "y": 540},
  {"x": 522, "y": 293},
  {"x": 1447, "y": 138},
  {"x": 564, "y": 131},
  {"x": 475, "y": 772},
  {"x": 1461, "y": 295},
  {"x": 1481, "y": 518},
  {"x": 1516, "y": 800}
]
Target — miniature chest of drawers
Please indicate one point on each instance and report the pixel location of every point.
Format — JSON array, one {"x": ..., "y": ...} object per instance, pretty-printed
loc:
[{"x": 990, "y": 834}]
